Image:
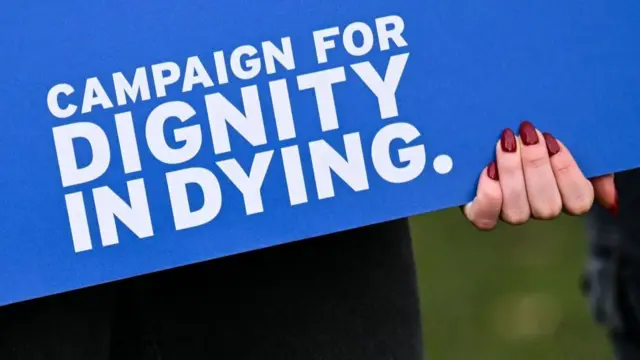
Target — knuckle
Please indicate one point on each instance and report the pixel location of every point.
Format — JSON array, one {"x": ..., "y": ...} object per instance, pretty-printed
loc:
[
  {"x": 579, "y": 209},
  {"x": 548, "y": 212},
  {"x": 563, "y": 167},
  {"x": 484, "y": 224},
  {"x": 516, "y": 217},
  {"x": 581, "y": 205},
  {"x": 535, "y": 162},
  {"x": 510, "y": 170},
  {"x": 491, "y": 198}
]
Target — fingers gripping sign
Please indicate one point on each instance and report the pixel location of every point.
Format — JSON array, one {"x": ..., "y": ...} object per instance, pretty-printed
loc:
[
  {"x": 534, "y": 176},
  {"x": 576, "y": 191},
  {"x": 515, "y": 205},
  {"x": 542, "y": 190},
  {"x": 485, "y": 208}
]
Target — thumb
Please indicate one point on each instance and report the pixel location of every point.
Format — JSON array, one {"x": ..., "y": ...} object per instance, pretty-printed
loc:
[{"x": 605, "y": 192}]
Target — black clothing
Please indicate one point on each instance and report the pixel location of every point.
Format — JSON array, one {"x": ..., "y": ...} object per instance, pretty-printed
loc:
[
  {"x": 613, "y": 268},
  {"x": 346, "y": 296}
]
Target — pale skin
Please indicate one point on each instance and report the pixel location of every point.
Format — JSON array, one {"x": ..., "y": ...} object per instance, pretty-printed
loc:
[{"x": 534, "y": 176}]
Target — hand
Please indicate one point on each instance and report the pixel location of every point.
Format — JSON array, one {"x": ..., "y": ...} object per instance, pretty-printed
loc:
[{"x": 535, "y": 176}]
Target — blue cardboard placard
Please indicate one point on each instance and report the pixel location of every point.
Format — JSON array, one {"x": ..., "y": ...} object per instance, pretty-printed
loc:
[{"x": 144, "y": 135}]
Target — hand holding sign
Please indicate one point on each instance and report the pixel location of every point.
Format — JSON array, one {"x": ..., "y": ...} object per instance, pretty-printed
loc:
[{"x": 534, "y": 176}]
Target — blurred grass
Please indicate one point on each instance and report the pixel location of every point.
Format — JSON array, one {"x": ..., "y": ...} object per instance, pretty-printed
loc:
[{"x": 508, "y": 294}]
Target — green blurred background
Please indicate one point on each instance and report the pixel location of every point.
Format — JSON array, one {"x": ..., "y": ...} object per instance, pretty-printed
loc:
[{"x": 508, "y": 294}]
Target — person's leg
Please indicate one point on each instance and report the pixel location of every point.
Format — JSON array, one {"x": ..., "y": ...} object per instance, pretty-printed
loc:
[
  {"x": 626, "y": 338},
  {"x": 613, "y": 271},
  {"x": 347, "y": 296},
  {"x": 70, "y": 326},
  {"x": 626, "y": 345}
]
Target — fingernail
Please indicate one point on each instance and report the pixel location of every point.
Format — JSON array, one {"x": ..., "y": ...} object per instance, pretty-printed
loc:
[
  {"x": 528, "y": 133},
  {"x": 492, "y": 171},
  {"x": 508, "y": 141},
  {"x": 552, "y": 144},
  {"x": 615, "y": 208}
]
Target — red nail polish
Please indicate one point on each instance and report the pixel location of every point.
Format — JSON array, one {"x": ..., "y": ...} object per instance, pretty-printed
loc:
[
  {"x": 492, "y": 171},
  {"x": 552, "y": 144},
  {"x": 615, "y": 208},
  {"x": 508, "y": 141},
  {"x": 528, "y": 133}
]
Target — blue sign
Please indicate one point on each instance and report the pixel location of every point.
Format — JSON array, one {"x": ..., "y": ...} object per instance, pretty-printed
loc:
[{"x": 140, "y": 136}]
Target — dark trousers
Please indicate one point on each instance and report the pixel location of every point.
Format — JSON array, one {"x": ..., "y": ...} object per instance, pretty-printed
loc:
[
  {"x": 626, "y": 337},
  {"x": 347, "y": 296},
  {"x": 613, "y": 271},
  {"x": 614, "y": 294}
]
